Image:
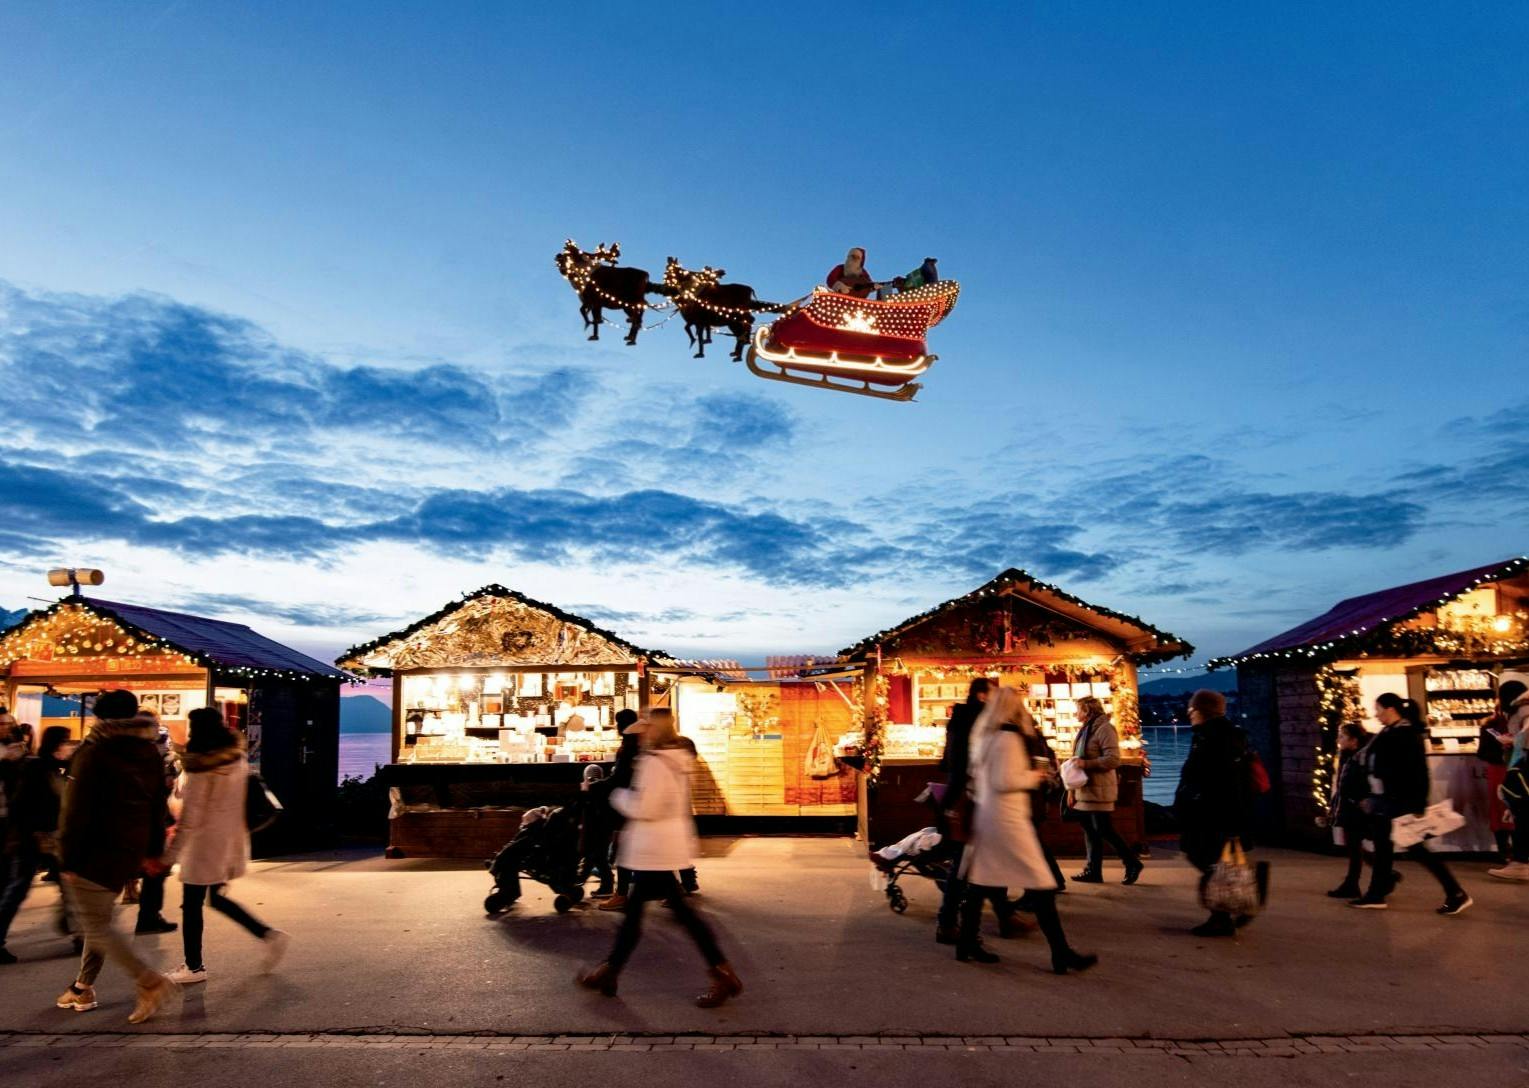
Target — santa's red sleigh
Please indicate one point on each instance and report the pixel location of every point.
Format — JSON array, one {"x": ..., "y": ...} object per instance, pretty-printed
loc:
[{"x": 871, "y": 347}]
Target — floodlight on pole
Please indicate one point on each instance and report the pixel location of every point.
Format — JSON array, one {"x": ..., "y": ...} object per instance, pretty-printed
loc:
[{"x": 74, "y": 577}]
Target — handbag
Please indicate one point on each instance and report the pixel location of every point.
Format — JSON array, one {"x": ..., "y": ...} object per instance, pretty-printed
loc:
[
  {"x": 1232, "y": 886},
  {"x": 958, "y": 819},
  {"x": 262, "y": 808},
  {"x": 1440, "y": 818}
]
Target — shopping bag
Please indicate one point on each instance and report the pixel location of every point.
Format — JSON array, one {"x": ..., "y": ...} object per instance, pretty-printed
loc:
[
  {"x": 261, "y": 807},
  {"x": 820, "y": 755},
  {"x": 1232, "y": 887},
  {"x": 1074, "y": 777},
  {"x": 1440, "y": 818}
]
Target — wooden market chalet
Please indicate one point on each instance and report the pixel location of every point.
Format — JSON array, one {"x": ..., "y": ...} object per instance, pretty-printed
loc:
[{"x": 286, "y": 703}]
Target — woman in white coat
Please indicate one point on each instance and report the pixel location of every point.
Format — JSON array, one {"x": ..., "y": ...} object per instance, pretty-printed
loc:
[
  {"x": 657, "y": 841},
  {"x": 1004, "y": 853},
  {"x": 211, "y": 839}
]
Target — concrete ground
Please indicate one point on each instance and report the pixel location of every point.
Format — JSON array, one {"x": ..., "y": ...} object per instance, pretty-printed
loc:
[{"x": 395, "y": 972}]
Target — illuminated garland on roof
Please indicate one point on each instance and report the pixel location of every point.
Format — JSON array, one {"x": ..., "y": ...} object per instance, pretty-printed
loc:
[
  {"x": 1169, "y": 645},
  {"x": 79, "y": 628},
  {"x": 1383, "y": 636}
]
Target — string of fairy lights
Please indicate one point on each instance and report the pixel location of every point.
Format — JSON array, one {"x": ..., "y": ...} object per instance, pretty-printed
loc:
[{"x": 81, "y": 630}]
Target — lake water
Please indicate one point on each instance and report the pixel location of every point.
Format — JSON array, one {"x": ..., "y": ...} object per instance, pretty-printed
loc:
[
  {"x": 1167, "y": 749},
  {"x": 360, "y": 753}
]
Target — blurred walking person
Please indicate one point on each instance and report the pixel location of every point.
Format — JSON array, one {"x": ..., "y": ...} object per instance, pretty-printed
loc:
[
  {"x": 958, "y": 733},
  {"x": 34, "y": 809},
  {"x": 1004, "y": 852},
  {"x": 1512, "y": 789},
  {"x": 1097, "y": 752},
  {"x": 15, "y": 871},
  {"x": 113, "y": 817},
  {"x": 1345, "y": 812},
  {"x": 659, "y": 839},
  {"x": 212, "y": 841},
  {"x": 1213, "y": 801},
  {"x": 1396, "y": 763},
  {"x": 151, "y": 888},
  {"x": 630, "y": 727}
]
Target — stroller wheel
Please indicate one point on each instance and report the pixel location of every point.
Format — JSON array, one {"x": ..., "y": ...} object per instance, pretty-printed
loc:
[
  {"x": 496, "y": 902},
  {"x": 562, "y": 904},
  {"x": 576, "y": 894},
  {"x": 896, "y": 899}
]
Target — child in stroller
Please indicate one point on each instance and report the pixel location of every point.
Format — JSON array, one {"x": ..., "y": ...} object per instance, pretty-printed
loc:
[
  {"x": 925, "y": 852},
  {"x": 546, "y": 849}
]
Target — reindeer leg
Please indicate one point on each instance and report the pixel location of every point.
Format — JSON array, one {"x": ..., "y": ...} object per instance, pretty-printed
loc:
[
  {"x": 742, "y": 332},
  {"x": 702, "y": 336},
  {"x": 594, "y": 323},
  {"x": 634, "y": 315}
]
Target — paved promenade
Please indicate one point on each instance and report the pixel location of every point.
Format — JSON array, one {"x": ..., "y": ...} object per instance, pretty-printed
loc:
[{"x": 395, "y": 972}]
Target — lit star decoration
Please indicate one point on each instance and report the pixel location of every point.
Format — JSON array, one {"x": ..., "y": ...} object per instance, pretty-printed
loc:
[
  {"x": 859, "y": 321},
  {"x": 908, "y": 315}
]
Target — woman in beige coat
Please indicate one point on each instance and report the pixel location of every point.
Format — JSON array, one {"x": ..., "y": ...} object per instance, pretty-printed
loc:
[
  {"x": 1097, "y": 751},
  {"x": 1004, "y": 853},
  {"x": 212, "y": 841}
]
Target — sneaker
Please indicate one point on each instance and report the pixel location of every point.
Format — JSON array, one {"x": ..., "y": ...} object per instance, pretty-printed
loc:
[
  {"x": 276, "y": 942},
  {"x": 1457, "y": 904},
  {"x": 77, "y": 999},
  {"x": 1368, "y": 902},
  {"x": 150, "y": 926},
  {"x": 185, "y": 976},
  {"x": 1513, "y": 870},
  {"x": 1345, "y": 891},
  {"x": 151, "y": 998}
]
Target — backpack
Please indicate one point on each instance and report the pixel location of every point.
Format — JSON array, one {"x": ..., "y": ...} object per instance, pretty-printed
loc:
[{"x": 1258, "y": 775}]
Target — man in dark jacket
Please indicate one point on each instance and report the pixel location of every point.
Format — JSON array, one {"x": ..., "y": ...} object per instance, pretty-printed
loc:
[
  {"x": 620, "y": 779},
  {"x": 1213, "y": 798},
  {"x": 113, "y": 819},
  {"x": 955, "y": 764}
]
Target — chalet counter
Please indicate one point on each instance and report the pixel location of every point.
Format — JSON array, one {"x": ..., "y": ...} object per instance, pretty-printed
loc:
[{"x": 470, "y": 810}]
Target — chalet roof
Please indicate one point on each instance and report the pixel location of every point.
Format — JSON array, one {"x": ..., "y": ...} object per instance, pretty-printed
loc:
[
  {"x": 1352, "y": 619},
  {"x": 355, "y": 657},
  {"x": 1142, "y": 641},
  {"x": 211, "y": 643}
]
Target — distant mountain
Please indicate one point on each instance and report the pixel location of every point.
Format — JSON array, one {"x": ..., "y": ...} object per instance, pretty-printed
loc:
[
  {"x": 365, "y": 714},
  {"x": 1223, "y": 680}
]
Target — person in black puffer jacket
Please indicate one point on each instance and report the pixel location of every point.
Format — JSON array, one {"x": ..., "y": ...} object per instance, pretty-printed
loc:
[
  {"x": 1396, "y": 762},
  {"x": 1213, "y": 802}
]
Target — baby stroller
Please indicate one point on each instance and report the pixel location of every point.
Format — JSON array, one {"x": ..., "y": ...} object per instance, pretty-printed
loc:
[
  {"x": 546, "y": 849},
  {"x": 926, "y": 853}
]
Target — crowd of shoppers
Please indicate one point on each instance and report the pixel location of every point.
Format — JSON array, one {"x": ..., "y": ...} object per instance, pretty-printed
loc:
[
  {"x": 107, "y": 812},
  {"x": 119, "y": 807}
]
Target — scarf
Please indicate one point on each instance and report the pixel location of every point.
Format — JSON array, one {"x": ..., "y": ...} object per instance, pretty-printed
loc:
[{"x": 198, "y": 762}]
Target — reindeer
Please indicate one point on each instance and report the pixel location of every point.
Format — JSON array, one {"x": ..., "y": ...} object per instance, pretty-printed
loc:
[
  {"x": 601, "y": 284},
  {"x": 706, "y": 303}
]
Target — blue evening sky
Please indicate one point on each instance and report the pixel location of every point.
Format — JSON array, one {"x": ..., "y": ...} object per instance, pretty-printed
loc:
[{"x": 1242, "y": 330}]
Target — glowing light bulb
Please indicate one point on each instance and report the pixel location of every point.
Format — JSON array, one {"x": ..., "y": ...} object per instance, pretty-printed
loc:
[{"x": 1502, "y": 624}]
